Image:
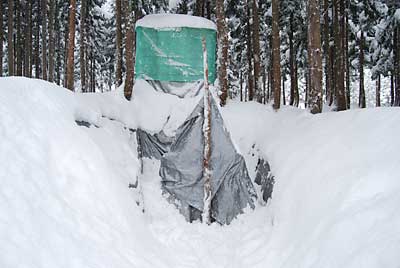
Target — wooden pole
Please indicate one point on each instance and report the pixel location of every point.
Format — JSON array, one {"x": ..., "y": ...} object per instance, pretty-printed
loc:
[{"x": 207, "y": 141}]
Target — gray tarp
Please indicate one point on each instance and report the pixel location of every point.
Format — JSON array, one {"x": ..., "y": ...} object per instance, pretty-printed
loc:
[
  {"x": 264, "y": 178},
  {"x": 150, "y": 146},
  {"x": 181, "y": 169},
  {"x": 180, "y": 89}
]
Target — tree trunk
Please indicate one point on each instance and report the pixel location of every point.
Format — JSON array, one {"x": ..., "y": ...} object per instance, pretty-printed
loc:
[
  {"x": 283, "y": 89},
  {"x": 10, "y": 37},
  {"x": 347, "y": 57},
  {"x": 256, "y": 51},
  {"x": 82, "y": 46},
  {"x": 223, "y": 51},
  {"x": 339, "y": 57},
  {"x": 129, "y": 46},
  {"x": 19, "y": 55},
  {"x": 28, "y": 39},
  {"x": 378, "y": 91},
  {"x": 361, "y": 103},
  {"x": 276, "y": 68},
  {"x": 314, "y": 60},
  {"x": 71, "y": 45},
  {"x": 207, "y": 141},
  {"x": 397, "y": 65},
  {"x": 241, "y": 84},
  {"x": 118, "y": 74},
  {"x": 1, "y": 38},
  {"x": 292, "y": 58},
  {"x": 44, "y": 39},
  {"x": 66, "y": 35},
  {"x": 51, "y": 41},
  {"x": 199, "y": 8},
  {"x": 250, "y": 85},
  {"x": 296, "y": 87},
  {"x": 37, "y": 42},
  {"x": 328, "y": 69},
  {"x": 391, "y": 89}
]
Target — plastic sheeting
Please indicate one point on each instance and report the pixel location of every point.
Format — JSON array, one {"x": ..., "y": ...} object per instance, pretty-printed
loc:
[
  {"x": 152, "y": 146},
  {"x": 264, "y": 178},
  {"x": 174, "y": 54},
  {"x": 179, "y": 89},
  {"x": 182, "y": 170}
]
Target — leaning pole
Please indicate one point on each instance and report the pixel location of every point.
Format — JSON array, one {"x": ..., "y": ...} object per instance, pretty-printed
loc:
[{"x": 207, "y": 140}]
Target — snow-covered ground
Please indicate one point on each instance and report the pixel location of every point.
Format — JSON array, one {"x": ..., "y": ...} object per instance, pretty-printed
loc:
[{"x": 65, "y": 201}]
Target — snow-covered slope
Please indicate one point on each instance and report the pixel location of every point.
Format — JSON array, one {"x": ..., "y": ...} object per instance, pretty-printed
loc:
[{"x": 65, "y": 201}]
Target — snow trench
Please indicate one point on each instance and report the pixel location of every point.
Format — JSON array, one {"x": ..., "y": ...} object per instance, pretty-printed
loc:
[{"x": 65, "y": 199}]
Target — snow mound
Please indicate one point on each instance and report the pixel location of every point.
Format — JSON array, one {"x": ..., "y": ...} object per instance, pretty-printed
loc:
[
  {"x": 65, "y": 201},
  {"x": 160, "y": 21}
]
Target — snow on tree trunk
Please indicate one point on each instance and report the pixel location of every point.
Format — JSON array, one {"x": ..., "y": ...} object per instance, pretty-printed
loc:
[
  {"x": 207, "y": 141},
  {"x": 129, "y": 47},
  {"x": 222, "y": 51},
  {"x": 314, "y": 58}
]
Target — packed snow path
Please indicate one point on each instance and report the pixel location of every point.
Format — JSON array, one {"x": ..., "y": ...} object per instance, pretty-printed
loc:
[{"x": 65, "y": 201}]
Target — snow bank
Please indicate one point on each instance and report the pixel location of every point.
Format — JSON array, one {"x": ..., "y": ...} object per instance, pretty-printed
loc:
[
  {"x": 335, "y": 201},
  {"x": 64, "y": 200},
  {"x": 160, "y": 21}
]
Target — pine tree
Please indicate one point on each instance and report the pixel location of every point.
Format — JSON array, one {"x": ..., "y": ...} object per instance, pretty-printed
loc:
[
  {"x": 129, "y": 48},
  {"x": 71, "y": 46},
  {"x": 1, "y": 38},
  {"x": 10, "y": 36},
  {"x": 118, "y": 15},
  {"x": 82, "y": 45},
  {"x": 314, "y": 58},
  {"x": 223, "y": 51},
  {"x": 256, "y": 50},
  {"x": 44, "y": 39},
  {"x": 51, "y": 40},
  {"x": 276, "y": 69}
]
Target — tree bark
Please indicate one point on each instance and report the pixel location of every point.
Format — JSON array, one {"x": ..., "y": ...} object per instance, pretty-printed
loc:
[
  {"x": 378, "y": 91},
  {"x": 71, "y": 46},
  {"x": 256, "y": 51},
  {"x": 1, "y": 38},
  {"x": 129, "y": 47},
  {"x": 315, "y": 60},
  {"x": 82, "y": 46},
  {"x": 292, "y": 58},
  {"x": 118, "y": 75},
  {"x": 18, "y": 48},
  {"x": 276, "y": 68},
  {"x": 223, "y": 49},
  {"x": 339, "y": 57},
  {"x": 10, "y": 35},
  {"x": 283, "y": 90},
  {"x": 37, "y": 42},
  {"x": 361, "y": 103},
  {"x": 199, "y": 8},
  {"x": 347, "y": 57},
  {"x": 250, "y": 81},
  {"x": 396, "y": 44},
  {"x": 28, "y": 39},
  {"x": 391, "y": 89},
  {"x": 44, "y": 39},
  {"x": 328, "y": 69},
  {"x": 51, "y": 41}
]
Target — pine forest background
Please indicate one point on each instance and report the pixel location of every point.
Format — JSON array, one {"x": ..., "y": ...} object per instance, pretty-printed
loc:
[{"x": 342, "y": 53}]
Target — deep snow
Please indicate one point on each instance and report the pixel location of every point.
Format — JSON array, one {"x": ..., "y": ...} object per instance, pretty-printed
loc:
[{"x": 65, "y": 201}]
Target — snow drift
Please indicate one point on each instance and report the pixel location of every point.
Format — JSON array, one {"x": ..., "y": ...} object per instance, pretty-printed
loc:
[{"x": 65, "y": 201}]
